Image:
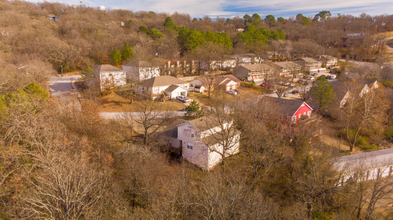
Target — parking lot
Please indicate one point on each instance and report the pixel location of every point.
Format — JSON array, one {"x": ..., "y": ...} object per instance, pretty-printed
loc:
[{"x": 300, "y": 86}]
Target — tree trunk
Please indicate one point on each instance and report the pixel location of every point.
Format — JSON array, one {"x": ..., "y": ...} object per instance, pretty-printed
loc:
[
  {"x": 354, "y": 139},
  {"x": 145, "y": 138}
]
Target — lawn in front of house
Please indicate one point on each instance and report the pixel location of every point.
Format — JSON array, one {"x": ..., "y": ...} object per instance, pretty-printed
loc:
[{"x": 113, "y": 102}]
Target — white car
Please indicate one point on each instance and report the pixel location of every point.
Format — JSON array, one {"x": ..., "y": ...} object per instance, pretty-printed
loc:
[
  {"x": 312, "y": 78},
  {"x": 182, "y": 98},
  {"x": 232, "y": 92},
  {"x": 332, "y": 76}
]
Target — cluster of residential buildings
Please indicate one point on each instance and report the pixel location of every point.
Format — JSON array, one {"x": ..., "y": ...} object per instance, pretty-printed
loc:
[{"x": 198, "y": 140}]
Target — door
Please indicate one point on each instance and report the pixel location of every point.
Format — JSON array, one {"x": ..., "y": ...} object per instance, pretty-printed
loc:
[{"x": 180, "y": 143}]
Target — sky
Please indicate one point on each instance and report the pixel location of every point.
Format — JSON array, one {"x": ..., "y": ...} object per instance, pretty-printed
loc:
[{"x": 231, "y": 8}]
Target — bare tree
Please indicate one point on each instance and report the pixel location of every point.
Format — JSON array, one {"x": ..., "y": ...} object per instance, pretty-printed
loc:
[
  {"x": 361, "y": 108},
  {"x": 66, "y": 185},
  {"x": 150, "y": 116}
]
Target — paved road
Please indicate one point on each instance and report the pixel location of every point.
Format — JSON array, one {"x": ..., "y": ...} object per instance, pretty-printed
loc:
[
  {"x": 61, "y": 86},
  {"x": 117, "y": 115}
]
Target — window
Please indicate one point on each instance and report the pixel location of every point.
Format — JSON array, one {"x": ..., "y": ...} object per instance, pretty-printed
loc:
[
  {"x": 300, "y": 115},
  {"x": 280, "y": 117},
  {"x": 192, "y": 133},
  {"x": 294, "y": 119},
  {"x": 309, "y": 113},
  {"x": 189, "y": 145},
  {"x": 288, "y": 119},
  {"x": 304, "y": 113}
]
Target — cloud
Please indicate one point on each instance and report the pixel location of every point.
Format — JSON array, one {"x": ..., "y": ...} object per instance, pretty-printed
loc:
[{"x": 229, "y": 8}]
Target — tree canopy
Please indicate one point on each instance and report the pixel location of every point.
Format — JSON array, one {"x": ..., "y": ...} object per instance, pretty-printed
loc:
[{"x": 252, "y": 34}]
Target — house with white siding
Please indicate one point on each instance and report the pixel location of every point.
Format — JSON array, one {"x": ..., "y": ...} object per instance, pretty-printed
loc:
[
  {"x": 201, "y": 141},
  {"x": 141, "y": 70},
  {"x": 172, "y": 86},
  {"x": 367, "y": 166},
  {"x": 109, "y": 76}
]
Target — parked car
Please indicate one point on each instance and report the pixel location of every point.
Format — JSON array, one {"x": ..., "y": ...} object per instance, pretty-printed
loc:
[
  {"x": 292, "y": 85},
  {"x": 237, "y": 91},
  {"x": 328, "y": 77},
  {"x": 182, "y": 98},
  {"x": 314, "y": 74},
  {"x": 331, "y": 71},
  {"x": 311, "y": 78},
  {"x": 280, "y": 83},
  {"x": 270, "y": 87},
  {"x": 305, "y": 77},
  {"x": 294, "y": 91},
  {"x": 231, "y": 92},
  {"x": 273, "y": 91},
  {"x": 332, "y": 77},
  {"x": 265, "y": 84},
  {"x": 323, "y": 76},
  {"x": 287, "y": 84}
]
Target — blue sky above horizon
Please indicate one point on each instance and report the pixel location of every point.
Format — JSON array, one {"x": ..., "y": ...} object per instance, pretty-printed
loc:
[{"x": 230, "y": 8}]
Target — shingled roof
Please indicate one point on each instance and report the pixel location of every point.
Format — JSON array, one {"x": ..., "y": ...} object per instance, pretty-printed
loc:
[
  {"x": 206, "y": 122},
  {"x": 106, "y": 68},
  {"x": 287, "y": 64},
  {"x": 256, "y": 67},
  {"x": 161, "y": 81},
  {"x": 364, "y": 161},
  {"x": 308, "y": 60},
  {"x": 285, "y": 106}
]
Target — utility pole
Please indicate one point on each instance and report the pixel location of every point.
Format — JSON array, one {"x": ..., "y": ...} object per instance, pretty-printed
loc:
[{"x": 61, "y": 70}]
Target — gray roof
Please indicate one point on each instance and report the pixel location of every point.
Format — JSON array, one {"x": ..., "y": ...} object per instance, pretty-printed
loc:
[
  {"x": 287, "y": 64},
  {"x": 161, "y": 81},
  {"x": 172, "y": 88},
  {"x": 171, "y": 129},
  {"x": 206, "y": 122},
  {"x": 285, "y": 106},
  {"x": 106, "y": 68},
  {"x": 308, "y": 60},
  {"x": 364, "y": 160},
  {"x": 218, "y": 137},
  {"x": 256, "y": 67}
]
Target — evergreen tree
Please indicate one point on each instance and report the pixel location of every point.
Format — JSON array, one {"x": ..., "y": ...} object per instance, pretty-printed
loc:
[
  {"x": 169, "y": 23},
  {"x": 155, "y": 34},
  {"x": 143, "y": 29},
  {"x": 193, "y": 110},
  {"x": 270, "y": 20},
  {"x": 322, "y": 92},
  {"x": 116, "y": 57},
  {"x": 281, "y": 20},
  {"x": 127, "y": 52}
]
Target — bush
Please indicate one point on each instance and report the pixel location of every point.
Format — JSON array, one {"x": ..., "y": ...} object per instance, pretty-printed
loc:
[{"x": 388, "y": 84}]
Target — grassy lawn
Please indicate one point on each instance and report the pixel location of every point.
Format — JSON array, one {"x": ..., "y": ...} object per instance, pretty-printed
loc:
[{"x": 115, "y": 103}]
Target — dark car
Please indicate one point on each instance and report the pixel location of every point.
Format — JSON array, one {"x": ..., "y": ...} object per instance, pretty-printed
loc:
[
  {"x": 322, "y": 76},
  {"x": 328, "y": 77},
  {"x": 237, "y": 91},
  {"x": 294, "y": 91}
]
